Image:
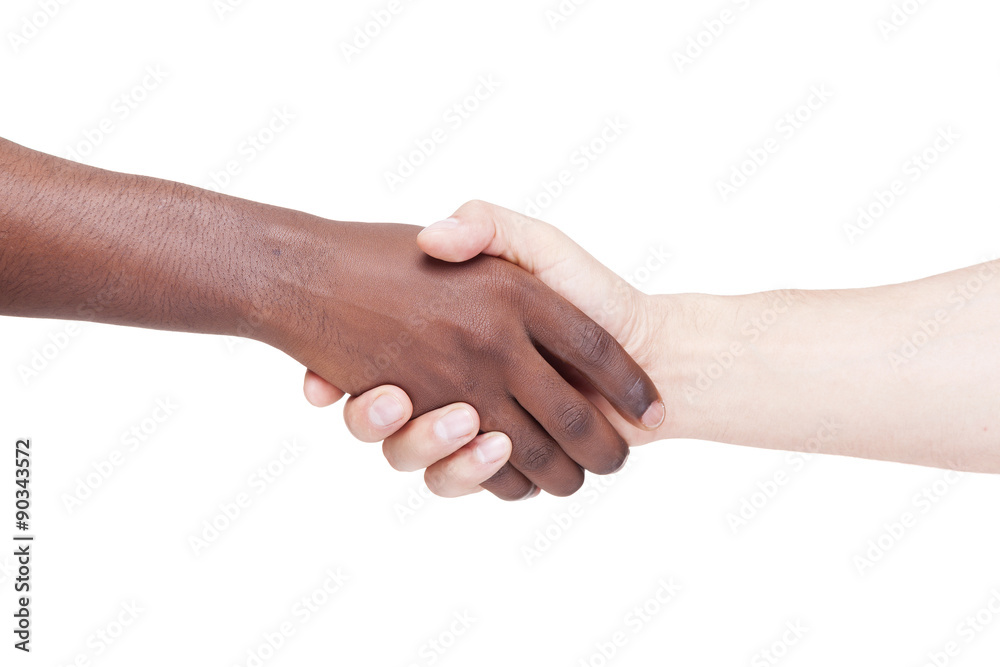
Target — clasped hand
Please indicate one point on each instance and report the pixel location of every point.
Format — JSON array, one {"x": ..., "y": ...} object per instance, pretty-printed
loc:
[{"x": 485, "y": 332}]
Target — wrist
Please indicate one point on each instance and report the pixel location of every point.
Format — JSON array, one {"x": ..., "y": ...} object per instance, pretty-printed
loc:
[
  {"x": 705, "y": 344},
  {"x": 292, "y": 263}
]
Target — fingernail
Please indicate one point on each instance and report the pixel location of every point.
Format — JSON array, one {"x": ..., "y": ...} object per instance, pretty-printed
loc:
[
  {"x": 654, "y": 415},
  {"x": 454, "y": 425},
  {"x": 492, "y": 449},
  {"x": 443, "y": 225},
  {"x": 385, "y": 410}
]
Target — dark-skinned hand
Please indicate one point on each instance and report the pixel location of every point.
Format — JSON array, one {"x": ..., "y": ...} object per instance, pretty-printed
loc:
[{"x": 483, "y": 332}]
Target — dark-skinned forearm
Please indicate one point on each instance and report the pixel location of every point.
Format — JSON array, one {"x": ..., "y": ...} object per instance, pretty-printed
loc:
[
  {"x": 77, "y": 242},
  {"x": 358, "y": 303}
]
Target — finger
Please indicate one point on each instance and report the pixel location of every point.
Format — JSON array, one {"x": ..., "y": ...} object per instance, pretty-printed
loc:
[
  {"x": 319, "y": 392},
  {"x": 574, "y": 422},
  {"x": 464, "y": 471},
  {"x": 577, "y": 340},
  {"x": 377, "y": 414},
  {"x": 479, "y": 227},
  {"x": 507, "y": 483},
  {"x": 535, "y": 455},
  {"x": 431, "y": 437},
  {"x": 457, "y": 239},
  {"x": 541, "y": 249}
]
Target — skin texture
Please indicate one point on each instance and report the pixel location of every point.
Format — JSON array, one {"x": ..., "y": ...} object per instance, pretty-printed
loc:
[
  {"x": 901, "y": 373},
  {"x": 468, "y": 331},
  {"x": 358, "y": 303}
]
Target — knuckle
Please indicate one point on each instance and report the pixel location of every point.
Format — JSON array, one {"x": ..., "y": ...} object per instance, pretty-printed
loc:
[
  {"x": 501, "y": 479},
  {"x": 498, "y": 344},
  {"x": 576, "y": 422},
  {"x": 596, "y": 344},
  {"x": 452, "y": 478},
  {"x": 436, "y": 482},
  {"x": 640, "y": 395},
  {"x": 508, "y": 354},
  {"x": 538, "y": 458},
  {"x": 507, "y": 484},
  {"x": 391, "y": 454},
  {"x": 507, "y": 283},
  {"x": 474, "y": 208}
]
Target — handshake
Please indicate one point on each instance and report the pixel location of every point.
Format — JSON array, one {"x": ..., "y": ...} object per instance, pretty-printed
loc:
[
  {"x": 536, "y": 338},
  {"x": 491, "y": 349}
]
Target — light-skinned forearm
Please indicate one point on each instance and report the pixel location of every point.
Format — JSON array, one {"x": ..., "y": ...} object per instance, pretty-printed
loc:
[{"x": 905, "y": 372}]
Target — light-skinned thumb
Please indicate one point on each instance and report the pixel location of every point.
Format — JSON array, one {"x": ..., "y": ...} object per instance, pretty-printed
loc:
[{"x": 455, "y": 240}]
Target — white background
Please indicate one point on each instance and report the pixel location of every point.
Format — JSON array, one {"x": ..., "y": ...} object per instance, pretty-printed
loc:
[{"x": 339, "y": 505}]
